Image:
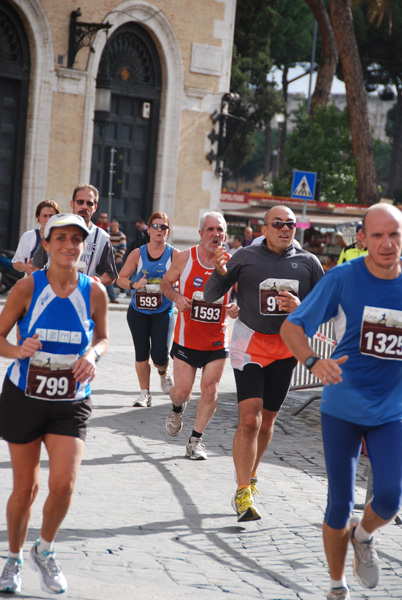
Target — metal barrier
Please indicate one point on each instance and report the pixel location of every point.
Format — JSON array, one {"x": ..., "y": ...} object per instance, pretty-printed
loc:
[{"x": 323, "y": 345}]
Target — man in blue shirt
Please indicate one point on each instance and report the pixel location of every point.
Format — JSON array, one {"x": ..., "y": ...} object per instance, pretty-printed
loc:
[{"x": 362, "y": 395}]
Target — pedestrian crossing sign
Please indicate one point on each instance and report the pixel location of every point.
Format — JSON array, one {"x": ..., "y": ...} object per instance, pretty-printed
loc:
[{"x": 303, "y": 186}]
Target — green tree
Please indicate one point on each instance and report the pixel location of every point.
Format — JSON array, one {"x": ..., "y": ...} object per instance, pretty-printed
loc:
[
  {"x": 259, "y": 100},
  {"x": 382, "y": 161},
  {"x": 329, "y": 58},
  {"x": 342, "y": 23},
  {"x": 380, "y": 49},
  {"x": 321, "y": 143},
  {"x": 292, "y": 41}
]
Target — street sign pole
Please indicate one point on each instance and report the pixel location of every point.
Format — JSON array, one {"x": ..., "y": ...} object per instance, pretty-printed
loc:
[
  {"x": 304, "y": 216},
  {"x": 110, "y": 190}
]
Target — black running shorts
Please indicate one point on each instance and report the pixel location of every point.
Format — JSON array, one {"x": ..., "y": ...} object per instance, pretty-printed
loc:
[
  {"x": 271, "y": 383},
  {"x": 24, "y": 419},
  {"x": 197, "y": 358}
]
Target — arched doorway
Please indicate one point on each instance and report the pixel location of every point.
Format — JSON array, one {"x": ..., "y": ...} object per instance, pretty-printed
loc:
[
  {"x": 130, "y": 66},
  {"x": 14, "y": 84}
]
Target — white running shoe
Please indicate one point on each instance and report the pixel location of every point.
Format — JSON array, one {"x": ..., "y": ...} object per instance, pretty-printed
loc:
[
  {"x": 11, "y": 580},
  {"x": 174, "y": 421},
  {"x": 144, "y": 399},
  {"x": 52, "y": 579},
  {"x": 366, "y": 565},
  {"x": 195, "y": 449},
  {"x": 166, "y": 381}
]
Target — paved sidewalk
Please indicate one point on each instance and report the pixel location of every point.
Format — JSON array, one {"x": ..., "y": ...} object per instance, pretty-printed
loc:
[{"x": 146, "y": 523}]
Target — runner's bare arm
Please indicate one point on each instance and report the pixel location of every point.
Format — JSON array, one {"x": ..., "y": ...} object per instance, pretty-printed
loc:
[
  {"x": 85, "y": 367},
  {"x": 221, "y": 259},
  {"x": 15, "y": 308},
  {"x": 172, "y": 277},
  {"x": 128, "y": 269}
]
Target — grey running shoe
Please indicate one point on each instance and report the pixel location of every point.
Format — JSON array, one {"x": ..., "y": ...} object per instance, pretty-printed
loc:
[
  {"x": 366, "y": 565},
  {"x": 174, "y": 421},
  {"x": 195, "y": 449},
  {"x": 243, "y": 505},
  {"x": 10, "y": 580},
  {"x": 341, "y": 593},
  {"x": 144, "y": 399},
  {"x": 166, "y": 382},
  {"x": 52, "y": 579}
]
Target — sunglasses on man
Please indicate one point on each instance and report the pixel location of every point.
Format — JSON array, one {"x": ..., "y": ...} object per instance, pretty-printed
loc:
[
  {"x": 87, "y": 202},
  {"x": 280, "y": 224}
]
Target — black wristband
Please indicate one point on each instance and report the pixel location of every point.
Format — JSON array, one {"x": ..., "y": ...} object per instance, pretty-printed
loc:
[{"x": 310, "y": 362}]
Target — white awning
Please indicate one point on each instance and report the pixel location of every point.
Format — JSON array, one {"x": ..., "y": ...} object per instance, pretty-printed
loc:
[{"x": 316, "y": 219}]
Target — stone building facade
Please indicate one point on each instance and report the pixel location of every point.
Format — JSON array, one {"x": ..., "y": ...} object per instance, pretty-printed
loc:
[
  {"x": 162, "y": 68},
  {"x": 377, "y": 109}
]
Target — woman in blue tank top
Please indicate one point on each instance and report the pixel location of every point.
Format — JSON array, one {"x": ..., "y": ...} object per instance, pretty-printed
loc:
[
  {"x": 150, "y": 314},
  {"x": 62, "y": 331}
]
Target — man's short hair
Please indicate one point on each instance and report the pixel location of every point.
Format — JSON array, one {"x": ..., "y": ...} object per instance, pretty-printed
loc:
[
  {"x": 214, "y": 214},
  {"x": 86, "y": 186}
]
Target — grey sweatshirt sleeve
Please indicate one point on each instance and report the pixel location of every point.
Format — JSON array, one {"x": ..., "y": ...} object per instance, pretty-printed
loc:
[{"x": 216, "y": 286}]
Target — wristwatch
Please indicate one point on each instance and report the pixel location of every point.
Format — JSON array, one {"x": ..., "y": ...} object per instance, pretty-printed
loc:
[
  {"x": 97, "y": 355},
  {"x": 310, "y": 362},
  {"x": 132, "y": 285}
]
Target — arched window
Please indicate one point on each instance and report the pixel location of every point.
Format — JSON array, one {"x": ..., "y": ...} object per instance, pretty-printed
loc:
[
  {"x": 14, "y": 84},
  {"x": 130, "y": 67}
]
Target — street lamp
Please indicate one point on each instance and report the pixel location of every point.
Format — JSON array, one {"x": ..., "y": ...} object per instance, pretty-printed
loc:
[{"x": 103, "y": 100}]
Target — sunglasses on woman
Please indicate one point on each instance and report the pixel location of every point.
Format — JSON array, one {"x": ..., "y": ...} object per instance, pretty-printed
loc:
[
  {"x": 280, "y": 224},
  {"x": 157, "y": 226}
]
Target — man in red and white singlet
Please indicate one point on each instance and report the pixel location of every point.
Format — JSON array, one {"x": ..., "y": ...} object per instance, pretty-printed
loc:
[{"x": 201, "y": 338}]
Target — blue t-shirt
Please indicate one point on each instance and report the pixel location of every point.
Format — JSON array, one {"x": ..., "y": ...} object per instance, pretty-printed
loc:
[
  {"x": 367, "y": 314},
  {"x": 152, "y": 301},
  {"x": 64, "y": 327}
]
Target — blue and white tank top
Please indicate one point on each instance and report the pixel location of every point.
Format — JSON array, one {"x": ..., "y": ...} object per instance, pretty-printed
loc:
[
  {"x": 151, "y": 300},
  {"x": 64, "y": 327}
]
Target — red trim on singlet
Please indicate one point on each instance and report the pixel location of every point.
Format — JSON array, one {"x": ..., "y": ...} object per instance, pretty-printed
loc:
[{"x": 193, "y": 334}]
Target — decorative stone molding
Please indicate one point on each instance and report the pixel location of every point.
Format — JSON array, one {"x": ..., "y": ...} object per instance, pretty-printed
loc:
[
  {"x": 207, "y": 60},
  {"x": 69, "y": 81}
]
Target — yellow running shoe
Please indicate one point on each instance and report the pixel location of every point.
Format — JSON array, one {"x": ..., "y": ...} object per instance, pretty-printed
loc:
[{"x": 243, "y": 505}]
